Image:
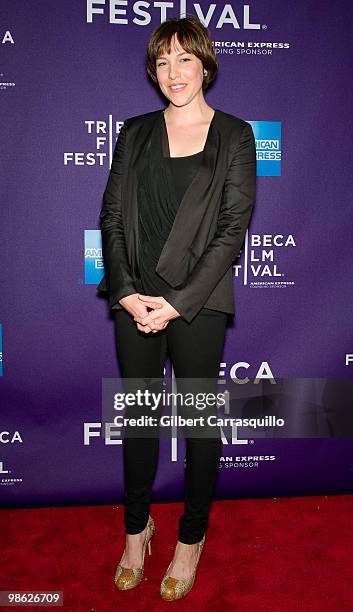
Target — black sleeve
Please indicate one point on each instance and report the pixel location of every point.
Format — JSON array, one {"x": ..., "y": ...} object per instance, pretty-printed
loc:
[{"x": 117, "y": 269}]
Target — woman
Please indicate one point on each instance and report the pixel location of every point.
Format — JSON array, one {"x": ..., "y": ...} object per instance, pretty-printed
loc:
[{"x": 175, "y": 211}]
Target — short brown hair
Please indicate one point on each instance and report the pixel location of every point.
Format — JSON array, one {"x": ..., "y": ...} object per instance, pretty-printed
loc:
[{"x": 192, "y": 35}]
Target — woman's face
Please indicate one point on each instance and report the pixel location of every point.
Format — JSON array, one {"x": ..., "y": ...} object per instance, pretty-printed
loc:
[{"x": 179, "y": 68}]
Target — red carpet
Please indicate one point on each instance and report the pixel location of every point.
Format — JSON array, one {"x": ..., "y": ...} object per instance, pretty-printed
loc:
[{"x": 275, "y": 555}]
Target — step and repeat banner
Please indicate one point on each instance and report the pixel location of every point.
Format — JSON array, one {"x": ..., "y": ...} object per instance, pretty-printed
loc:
[{"x": 70, "y": 74}]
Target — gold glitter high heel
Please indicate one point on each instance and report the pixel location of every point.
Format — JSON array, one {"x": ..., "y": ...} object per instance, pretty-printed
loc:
[
  {"x": 129, "y": 577},
  {"x": 172, "y": 588}
]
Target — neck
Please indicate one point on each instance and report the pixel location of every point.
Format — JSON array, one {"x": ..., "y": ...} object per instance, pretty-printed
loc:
[{"x": 189, "y": 114}]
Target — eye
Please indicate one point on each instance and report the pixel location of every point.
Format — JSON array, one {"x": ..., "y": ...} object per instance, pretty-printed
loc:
[{"x": 183, "y": 59}]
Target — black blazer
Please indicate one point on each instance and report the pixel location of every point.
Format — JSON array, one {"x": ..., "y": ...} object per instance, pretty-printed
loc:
[{"x": 210, "y": 224}]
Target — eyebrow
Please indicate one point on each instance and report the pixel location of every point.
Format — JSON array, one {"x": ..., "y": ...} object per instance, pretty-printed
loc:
[{"x": 181, "y": 53}]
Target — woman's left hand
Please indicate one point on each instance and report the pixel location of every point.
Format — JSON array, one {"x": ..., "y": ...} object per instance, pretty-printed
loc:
[{"x": 159, "y": 318}]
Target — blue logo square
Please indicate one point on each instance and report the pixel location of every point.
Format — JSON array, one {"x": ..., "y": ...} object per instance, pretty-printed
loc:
[
  {"x": 94, "y": 266},
  {"x": 268, "y": 139}
]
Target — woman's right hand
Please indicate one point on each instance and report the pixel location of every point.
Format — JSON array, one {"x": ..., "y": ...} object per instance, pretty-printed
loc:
[{"x": 133, "y": 305}]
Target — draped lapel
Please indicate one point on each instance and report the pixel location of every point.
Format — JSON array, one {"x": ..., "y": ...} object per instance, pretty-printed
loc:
[
  {"x": 174, "y": 261},
  {"x": 150, "y": 148}
]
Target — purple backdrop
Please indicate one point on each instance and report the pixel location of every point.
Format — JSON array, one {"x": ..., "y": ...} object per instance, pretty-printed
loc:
[{"x": 63, "y": 67}]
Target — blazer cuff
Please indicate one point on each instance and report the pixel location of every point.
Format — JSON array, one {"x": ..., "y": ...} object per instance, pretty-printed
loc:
[
  {"x": 118, "y": 295},
  {"x": 186, "y": 310}
]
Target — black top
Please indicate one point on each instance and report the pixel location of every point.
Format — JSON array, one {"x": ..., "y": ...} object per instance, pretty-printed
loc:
[{"x": 155, "y": 222}]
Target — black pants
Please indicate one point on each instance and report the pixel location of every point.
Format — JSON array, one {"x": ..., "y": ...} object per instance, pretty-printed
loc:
[{"x": 195, "y": 350}]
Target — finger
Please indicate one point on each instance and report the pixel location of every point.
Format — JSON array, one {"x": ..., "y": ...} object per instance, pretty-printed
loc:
[
  {"x": 138, "y": 317},
  {"x": 153, "y": 317},
  {"x": 145, "y": 313},
  {"x": 155, "y": 325},
  {"x": 141, "y": 296},
  {"x": 141, "y": 315},
  {"x": 150, "y": 322},
  {"x": 142, "y": 319},
  {"x": 152, "y": 303},
  {"x": 144, "y": 328}
]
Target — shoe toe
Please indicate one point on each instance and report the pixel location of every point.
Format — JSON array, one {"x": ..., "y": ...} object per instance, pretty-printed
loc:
[
  {"x": 126, "y": 578},
  {"x": 172, "y": 589}
]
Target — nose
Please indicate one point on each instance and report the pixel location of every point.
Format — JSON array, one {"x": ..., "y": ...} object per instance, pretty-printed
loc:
[{"x": 173, "y": 71}]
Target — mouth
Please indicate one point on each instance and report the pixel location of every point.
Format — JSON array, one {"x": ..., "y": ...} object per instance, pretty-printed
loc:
[{"x": 178, "y": 87}]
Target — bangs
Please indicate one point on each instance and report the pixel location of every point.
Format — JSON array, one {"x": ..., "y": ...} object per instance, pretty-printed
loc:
[{"x": 184, "y": 39}]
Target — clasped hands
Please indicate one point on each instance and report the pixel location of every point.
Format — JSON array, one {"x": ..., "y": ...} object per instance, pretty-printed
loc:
[{"x": 152, "y": 320}]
